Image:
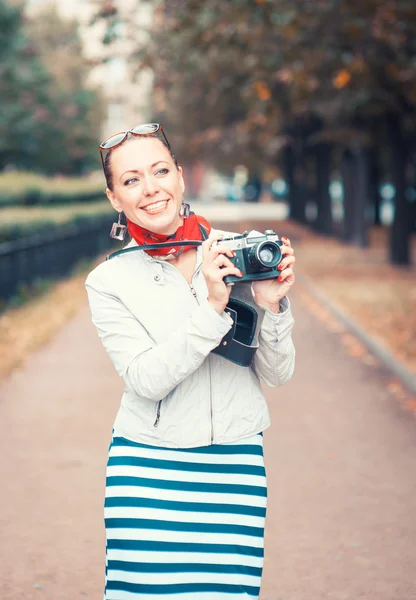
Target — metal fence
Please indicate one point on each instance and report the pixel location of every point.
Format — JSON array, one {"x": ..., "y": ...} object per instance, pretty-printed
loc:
[{"x": 52, "y": 254}]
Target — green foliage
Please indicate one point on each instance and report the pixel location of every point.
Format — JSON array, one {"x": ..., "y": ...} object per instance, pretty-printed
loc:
[
  {"x": 50, "y": 118},
  {"x": 69, "y": 138},
  {"x": 29, "y": 189},
  {"x": 14, "y": 231},
  {"x": 23, "y": 90}
]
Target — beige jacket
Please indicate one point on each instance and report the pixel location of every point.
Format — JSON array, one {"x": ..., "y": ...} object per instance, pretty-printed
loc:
[{"x": 159, "y": 332}]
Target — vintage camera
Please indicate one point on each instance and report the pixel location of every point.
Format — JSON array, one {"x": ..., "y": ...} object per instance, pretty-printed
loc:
[{"x": 256, "y": 255}]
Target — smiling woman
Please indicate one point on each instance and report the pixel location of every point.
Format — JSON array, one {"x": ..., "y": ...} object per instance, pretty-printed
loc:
[
  {"x": 186, "y": 487},
  {"x": 146, "y": 183}
]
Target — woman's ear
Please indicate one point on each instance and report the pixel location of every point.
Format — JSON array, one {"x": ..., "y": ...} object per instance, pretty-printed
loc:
[
  {"x": 182, "y": 182},
  {"x": 114, "y": 202}
]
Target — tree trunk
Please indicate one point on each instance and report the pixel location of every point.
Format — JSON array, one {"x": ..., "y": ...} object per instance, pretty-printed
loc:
[
  {"x": 253, "y": 188},
  {"x": 374, "y": 184},
  {"x": 354, "y": 171},
  {"x": 301, "y": 192},
  {"x": 361, "y": 204},
  {"x": 413, "y": 216},
  {"x": 323, "y": 222},
  {"x": 347, "y": 176},
  {"x": 400, "y": 229},
  {"x": 411, "y": 182},
  {"x": 293, "y": 194}
]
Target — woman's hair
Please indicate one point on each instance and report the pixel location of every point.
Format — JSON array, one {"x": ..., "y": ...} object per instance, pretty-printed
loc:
[{"x": 107, "y": 162}]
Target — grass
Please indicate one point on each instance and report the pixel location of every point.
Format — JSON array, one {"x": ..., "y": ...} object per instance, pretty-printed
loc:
[{"x": 25, "y": 328}]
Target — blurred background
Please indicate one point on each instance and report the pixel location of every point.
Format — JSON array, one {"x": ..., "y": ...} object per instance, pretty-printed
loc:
[{"x": 296, "y": 115}]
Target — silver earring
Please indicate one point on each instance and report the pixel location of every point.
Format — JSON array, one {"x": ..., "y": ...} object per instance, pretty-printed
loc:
[
  {"x": 184, "y": 210},
  {"x": 118, "y": 231}
]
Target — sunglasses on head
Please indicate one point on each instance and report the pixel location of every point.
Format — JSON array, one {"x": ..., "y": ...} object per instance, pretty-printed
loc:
[{"x": 118, "y": 138}]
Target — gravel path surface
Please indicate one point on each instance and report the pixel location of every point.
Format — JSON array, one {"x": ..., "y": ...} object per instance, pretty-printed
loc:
[{"x": 340, "y": 455}]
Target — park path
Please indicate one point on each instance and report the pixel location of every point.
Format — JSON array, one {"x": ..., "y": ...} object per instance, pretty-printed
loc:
[{"x": 340, "y": 456}]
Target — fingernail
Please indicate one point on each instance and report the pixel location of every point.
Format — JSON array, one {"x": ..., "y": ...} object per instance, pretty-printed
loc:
[
  {"x": 285, "y": 239},
  {"x": 233, "y": 253},
  {"x": 241, "y": 273},
  {"x": 279, "y": 278},
  {"x": 280, "y": 267}
]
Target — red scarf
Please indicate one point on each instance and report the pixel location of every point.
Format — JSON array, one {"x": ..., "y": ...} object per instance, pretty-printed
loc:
[{"x": 188, "y": 231}]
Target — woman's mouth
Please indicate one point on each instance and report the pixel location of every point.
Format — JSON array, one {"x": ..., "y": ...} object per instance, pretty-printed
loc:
[{"x": 156, "y": 207}]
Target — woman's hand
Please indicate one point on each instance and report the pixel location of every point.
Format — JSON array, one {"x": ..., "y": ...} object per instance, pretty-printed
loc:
[
  {"x": 215, "y": 266},
  {"x": 269, "y": 292}
]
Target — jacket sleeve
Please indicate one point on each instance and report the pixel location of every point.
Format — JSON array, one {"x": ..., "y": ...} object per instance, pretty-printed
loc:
[
  {"x": 152, "y": 370},
  {"x": 274, "y": 361}
]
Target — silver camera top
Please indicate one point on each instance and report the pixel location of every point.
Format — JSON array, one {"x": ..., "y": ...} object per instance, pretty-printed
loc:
[{"x": 248, "y": 238}]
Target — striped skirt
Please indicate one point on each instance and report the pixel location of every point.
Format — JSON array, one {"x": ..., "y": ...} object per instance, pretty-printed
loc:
[{"x": 185, "y": 524}]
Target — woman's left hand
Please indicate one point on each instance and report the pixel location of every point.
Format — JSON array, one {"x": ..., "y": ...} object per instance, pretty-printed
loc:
[{"x": 269, "y": 292}]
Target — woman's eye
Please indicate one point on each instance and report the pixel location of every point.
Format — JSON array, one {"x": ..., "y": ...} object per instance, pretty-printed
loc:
[
  {"x": 131, "y": 180},
  {"x": 162, "y": 172}
]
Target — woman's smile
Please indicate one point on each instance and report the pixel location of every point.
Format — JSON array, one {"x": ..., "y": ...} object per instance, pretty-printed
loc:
[{"x": 154, "y": 208}]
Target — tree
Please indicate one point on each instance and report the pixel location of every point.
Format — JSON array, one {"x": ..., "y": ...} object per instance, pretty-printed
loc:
[
  {"x": 69, "y": 137},
  {"x": 23, "y": 90},
  {"x": 50, "y": 119},
  {"x": 240, "y": 80}
]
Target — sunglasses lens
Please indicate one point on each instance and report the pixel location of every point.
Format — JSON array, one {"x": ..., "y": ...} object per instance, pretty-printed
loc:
[
  {"x": 146, "y": 128},
  {"x": 113, "y": 141}
]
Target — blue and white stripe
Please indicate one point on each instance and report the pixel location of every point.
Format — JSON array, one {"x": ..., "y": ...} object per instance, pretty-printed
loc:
[{"x": 185, "y": 524}]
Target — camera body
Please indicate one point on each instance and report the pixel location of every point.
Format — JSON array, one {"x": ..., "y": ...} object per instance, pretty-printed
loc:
[{"x": 256, "y": 255}]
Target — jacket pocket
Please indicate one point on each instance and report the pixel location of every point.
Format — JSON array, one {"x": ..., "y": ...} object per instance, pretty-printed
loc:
[{"x": 159, "y": 405}]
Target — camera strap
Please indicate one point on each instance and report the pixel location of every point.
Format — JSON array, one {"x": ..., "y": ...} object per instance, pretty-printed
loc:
[
  {"x": 169, "y": 244},
  {"x": 155, "y": 247}
]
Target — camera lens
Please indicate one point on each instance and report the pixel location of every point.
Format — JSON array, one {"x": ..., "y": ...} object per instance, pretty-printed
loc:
[{"x": 265, "y": 255}]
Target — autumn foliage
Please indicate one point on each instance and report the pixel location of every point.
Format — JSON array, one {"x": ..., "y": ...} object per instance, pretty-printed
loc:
[{"x": 296, "y": 85}]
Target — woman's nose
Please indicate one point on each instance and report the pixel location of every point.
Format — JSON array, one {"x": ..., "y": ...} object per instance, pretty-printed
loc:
[{"x": 150, "y": 186}]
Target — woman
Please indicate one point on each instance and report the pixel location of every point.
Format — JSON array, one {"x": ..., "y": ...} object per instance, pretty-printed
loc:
[{"x": 186, "y": 489}]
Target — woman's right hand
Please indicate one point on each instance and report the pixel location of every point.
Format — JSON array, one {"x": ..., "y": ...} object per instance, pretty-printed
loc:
[{"x": 215, "y": 266}]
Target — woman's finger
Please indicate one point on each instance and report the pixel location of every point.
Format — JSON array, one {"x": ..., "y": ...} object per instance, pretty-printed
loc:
[
  {"x": 221, "y": 273},
  {"x": 220, "y": 250},
  {"x": 286, "y": 241},
  {"x": 208, "y": 243},
  {"x": 289, "y": 260},
  {"x": 286, "y": 274},
  {"x": 222, "y": 261},
  {"x": 211, "y": 249},
  {"x": 286, "y": 250}
]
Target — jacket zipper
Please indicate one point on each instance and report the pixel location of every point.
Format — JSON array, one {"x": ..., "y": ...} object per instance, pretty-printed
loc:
[
  {"x": 210, "y": 377},
  {"x": 156, "y": 423}
]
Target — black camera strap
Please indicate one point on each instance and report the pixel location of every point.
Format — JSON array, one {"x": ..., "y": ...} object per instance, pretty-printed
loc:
[
  {"x": 172, "y": 244},
  {"x": 155, "y": 247}
]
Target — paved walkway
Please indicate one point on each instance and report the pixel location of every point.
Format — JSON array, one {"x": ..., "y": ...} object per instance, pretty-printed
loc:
[{"x": 341, "y": 462}]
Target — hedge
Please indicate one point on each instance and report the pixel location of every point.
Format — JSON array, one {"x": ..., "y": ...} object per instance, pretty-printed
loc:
[
  {"x": 14, "y": 231},
  {"x": 28, "y": 189}
]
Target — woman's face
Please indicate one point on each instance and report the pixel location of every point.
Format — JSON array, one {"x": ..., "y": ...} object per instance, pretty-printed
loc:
[{"x": 147, "y": 186}]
